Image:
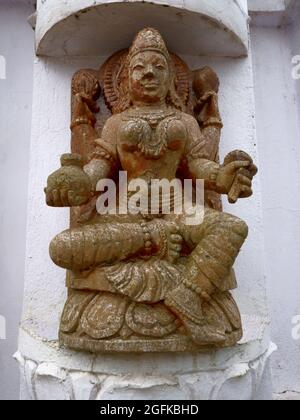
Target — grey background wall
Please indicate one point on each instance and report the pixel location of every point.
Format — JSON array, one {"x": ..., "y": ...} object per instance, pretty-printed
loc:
[{"x": 17, "y": 48}]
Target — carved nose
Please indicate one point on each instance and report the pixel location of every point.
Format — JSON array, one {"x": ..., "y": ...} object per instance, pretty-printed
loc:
[{"x": 149, "y": 71}]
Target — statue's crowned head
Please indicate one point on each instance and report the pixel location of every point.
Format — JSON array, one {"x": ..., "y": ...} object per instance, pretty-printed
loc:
[
  {"x": 150, "y": 69},
  {"x": 147, "y": 76},
  {"x": 149, "y": 39}
]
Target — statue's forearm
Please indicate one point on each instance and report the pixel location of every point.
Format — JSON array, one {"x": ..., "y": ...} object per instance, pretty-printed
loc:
[
  {"x": 103, "y": 160},
  {"x": 206, "y": 170},
  {"x": 97, "y": 169},
  {"x": 212, "y": 134}
]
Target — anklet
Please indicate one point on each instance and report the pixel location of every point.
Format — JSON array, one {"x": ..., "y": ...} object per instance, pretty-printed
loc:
[
  {"x": 196, "y": 289},
  {"x": 164, "y": 240},
  {"x": 148, "y": 245}
]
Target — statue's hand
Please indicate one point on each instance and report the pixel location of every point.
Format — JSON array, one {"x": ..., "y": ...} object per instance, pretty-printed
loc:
[
  {"x": 235, "y": 176},
  {"x": 70, "y": 186},
  {"x": 86, "y": 89},
  {"x": 88, "y": 100},
  {"x": 205, "y": 81}
]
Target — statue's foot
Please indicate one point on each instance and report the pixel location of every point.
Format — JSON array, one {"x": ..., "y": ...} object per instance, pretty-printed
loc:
[
  {"x": 167, "y": 237},
  {"x": 187, "y": 305},
  {"x": 204, "y": 334}
]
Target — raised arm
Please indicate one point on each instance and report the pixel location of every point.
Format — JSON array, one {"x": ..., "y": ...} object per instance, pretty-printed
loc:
[{"x": 206, "y": 109}]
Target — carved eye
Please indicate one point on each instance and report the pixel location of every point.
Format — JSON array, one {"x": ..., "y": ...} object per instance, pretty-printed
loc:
[
  {"x": 160, "y": 67},
  {"x": 139, "y": 67}
]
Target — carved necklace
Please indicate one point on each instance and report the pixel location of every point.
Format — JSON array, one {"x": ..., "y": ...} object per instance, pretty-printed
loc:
[
  {"x": 148, "y": 129},
  {"x": 153, "y": 117}
]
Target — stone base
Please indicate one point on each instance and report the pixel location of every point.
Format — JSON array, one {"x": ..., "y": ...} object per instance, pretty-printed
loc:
[
  {"x": 138, "y": 345},
  {"x": 238, "y": 373},
  {"x": 242, "y": 381}
]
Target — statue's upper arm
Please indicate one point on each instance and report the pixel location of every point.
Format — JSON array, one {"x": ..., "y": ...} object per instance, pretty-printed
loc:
[
  {"x": 104, "y": 160},
  {"x": 107, "y": 143},
  {"x": 195, "y": 145}
]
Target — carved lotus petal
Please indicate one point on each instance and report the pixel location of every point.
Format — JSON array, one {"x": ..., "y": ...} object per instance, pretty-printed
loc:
[
  {"x": 74, "y": 307},
  {"x": 104, "y": 316},
  {"x": 151, "y": 320}
]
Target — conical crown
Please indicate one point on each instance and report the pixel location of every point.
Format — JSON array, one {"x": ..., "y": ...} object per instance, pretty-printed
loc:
[{"x": 149, "y": 39}]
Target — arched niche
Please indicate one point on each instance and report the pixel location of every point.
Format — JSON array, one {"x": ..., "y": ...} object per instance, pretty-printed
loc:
[{"x": 98, "y": 27}]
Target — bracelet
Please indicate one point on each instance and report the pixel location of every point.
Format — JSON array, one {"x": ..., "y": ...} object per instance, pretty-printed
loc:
[
  {"x": 102, "y": 154},
  {"x": 81, "y": 121},
  {"x": 207, "y": 95},
  {"x": 213, "y": 121},
  {"x": 214, "y": 174}
]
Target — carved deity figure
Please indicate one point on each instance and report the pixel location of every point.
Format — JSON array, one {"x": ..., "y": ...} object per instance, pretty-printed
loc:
[{"x": 142, "y": 282}]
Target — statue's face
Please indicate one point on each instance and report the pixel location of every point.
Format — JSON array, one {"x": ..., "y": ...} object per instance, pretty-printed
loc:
[{"x": 149, "y": 77}]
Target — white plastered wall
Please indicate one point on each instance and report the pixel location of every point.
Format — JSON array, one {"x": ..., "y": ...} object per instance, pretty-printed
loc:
[
  {"x": 17, "y": 51},
  {"x": 277, "y": 114}
]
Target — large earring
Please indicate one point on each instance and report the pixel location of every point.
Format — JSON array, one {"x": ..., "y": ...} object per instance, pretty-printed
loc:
[{"x": 173, "y": 98}]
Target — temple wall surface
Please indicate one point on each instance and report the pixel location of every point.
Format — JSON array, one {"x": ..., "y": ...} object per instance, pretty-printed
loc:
[{"x": 277, "y": 107}]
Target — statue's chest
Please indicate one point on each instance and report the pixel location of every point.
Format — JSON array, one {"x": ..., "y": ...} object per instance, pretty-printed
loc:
[{"x": 152, "y": 138}]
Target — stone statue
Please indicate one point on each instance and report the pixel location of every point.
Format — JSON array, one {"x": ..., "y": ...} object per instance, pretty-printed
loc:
[{"x": 148, "y": 282}]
